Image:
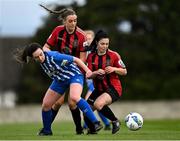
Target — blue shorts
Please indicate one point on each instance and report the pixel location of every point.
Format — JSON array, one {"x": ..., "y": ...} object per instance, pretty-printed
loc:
[
  {"x": 61, "y": 86},
  {"x": 90, "y": 84}
]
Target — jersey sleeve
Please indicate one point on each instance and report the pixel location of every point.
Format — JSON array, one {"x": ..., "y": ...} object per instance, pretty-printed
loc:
[
  {"x": 52, "y": 39},
  {"x": 82, "y": 43},
  {"x": 118, "y": 61}
]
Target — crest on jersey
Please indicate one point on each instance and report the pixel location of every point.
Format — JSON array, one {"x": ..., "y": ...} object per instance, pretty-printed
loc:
[{"x": 64, "y": 62}]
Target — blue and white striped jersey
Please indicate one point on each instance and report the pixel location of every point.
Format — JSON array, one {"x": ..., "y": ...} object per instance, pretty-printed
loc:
[{"x": 59, "y": 66}]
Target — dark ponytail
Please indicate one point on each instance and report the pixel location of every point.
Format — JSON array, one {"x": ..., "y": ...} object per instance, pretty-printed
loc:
[
  {"x": 98, "y": 36},
  {"x": 62, "y": 13},
  {"x": 22, "y": 54}
]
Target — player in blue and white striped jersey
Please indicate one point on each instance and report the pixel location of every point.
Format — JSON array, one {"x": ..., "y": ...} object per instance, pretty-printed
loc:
[{"x": 65, "y": 73}]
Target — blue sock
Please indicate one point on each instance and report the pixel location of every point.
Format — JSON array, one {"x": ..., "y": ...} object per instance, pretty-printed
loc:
[
  {"x": 104, "y": 119},
  {"x": 47, "y": 118},
  {"x": 86, "y": 109},
  {"x": 85, "y": 126}
]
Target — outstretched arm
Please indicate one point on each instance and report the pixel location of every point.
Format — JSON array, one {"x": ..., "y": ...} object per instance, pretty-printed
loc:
[
  {"x": 83, "y": 66},
  {"x": 83, "y": 56}
]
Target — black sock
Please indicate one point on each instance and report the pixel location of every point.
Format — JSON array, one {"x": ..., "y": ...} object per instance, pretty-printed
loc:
[
  {"x": 54, "y": 113},
  {"x": 106, "y": 111},
  {"x": 76, "y": 115},
  {"x": 89, "y": 124}
]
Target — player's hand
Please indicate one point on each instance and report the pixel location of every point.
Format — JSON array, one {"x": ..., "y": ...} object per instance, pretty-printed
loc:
[
  {"x": 109, "y": 69},
  {"x": 88, "y": 74},
  {"x": 100, "y": 72}
]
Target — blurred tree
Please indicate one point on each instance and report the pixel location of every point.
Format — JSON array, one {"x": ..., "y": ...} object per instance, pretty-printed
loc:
[{"x": 149, "y": 46}]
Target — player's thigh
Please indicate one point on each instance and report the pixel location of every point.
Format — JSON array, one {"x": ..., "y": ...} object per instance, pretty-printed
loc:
[
  {"x": 75, "y": 91},
  {"x": 50, "y": 98}
]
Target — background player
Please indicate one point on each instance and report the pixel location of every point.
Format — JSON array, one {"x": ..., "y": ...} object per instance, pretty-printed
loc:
[
  {"x": 68, "y": 39},
  {"x": 89, "y": 82}
]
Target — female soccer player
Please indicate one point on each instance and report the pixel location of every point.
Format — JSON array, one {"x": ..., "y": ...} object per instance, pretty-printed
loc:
[
  {"x": 67, "y": 39},
  {"x": 106, "y": 66},
  {"x": 90, "y": 36},
  {"x": 65, "y": 74}
]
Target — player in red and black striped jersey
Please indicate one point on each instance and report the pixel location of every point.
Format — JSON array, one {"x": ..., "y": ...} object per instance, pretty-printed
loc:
[
  {"x": 90, "y": 87},
  {"x": 104, "y": 62},
  {"x": 106, "y": 66},
  {"x": 68, "y": 42},
  {"x": 68, "y": 39}
]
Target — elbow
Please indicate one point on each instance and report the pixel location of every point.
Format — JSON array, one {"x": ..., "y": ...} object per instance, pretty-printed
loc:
[
  {"x": 76, "y": 60},
  {"x": 125, "y": 72}
]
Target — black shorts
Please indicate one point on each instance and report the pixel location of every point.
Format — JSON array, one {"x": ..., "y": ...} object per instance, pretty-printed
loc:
[{"x": 95, "y": 94}]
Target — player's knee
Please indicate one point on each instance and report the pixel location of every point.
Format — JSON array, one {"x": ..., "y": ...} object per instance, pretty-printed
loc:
[
  {"x": 75, "y": 98},
  {"x": 98, "y": 105},
  {"x": 46, "y": 106}
]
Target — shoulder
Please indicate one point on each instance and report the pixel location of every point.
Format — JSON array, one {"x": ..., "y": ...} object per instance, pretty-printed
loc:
[
  {"x": 56, "y": 53},
  {"x": 58, "y": 56},
  {"x": 113, "y": 53},
  {"x": 52, "y": 53},
  {"x": 60, "y": 27},
  {"x": 91, "y": 54},
  {"x": 80, "y": 31}
]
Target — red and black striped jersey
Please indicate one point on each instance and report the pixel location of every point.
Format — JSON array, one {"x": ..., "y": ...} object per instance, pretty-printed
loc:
[
  {"x": 102, "y": 83},
  {"x": 66, "y": 43}
]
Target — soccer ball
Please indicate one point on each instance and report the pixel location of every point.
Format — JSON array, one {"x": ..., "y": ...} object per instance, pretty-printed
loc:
[{"x": 134, "y": 121}]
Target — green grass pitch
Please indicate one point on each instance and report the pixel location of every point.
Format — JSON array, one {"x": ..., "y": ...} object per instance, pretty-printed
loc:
[{"x": 151, "y": 130}]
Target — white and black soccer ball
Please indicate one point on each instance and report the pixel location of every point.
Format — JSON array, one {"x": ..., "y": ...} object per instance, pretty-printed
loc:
[{"x": 134, "y": 121}]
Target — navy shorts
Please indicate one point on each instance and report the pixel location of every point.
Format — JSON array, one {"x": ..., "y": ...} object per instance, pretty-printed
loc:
[
  {"x": 61, "y": 86},
  {"x": 95, "y": 94}
]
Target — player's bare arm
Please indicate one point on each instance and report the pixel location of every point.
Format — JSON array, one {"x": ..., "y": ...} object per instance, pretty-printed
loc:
[{"x": 120, "y": 71}]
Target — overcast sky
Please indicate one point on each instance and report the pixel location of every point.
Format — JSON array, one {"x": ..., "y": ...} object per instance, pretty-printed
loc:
[{"x": 23, "y": 17}]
